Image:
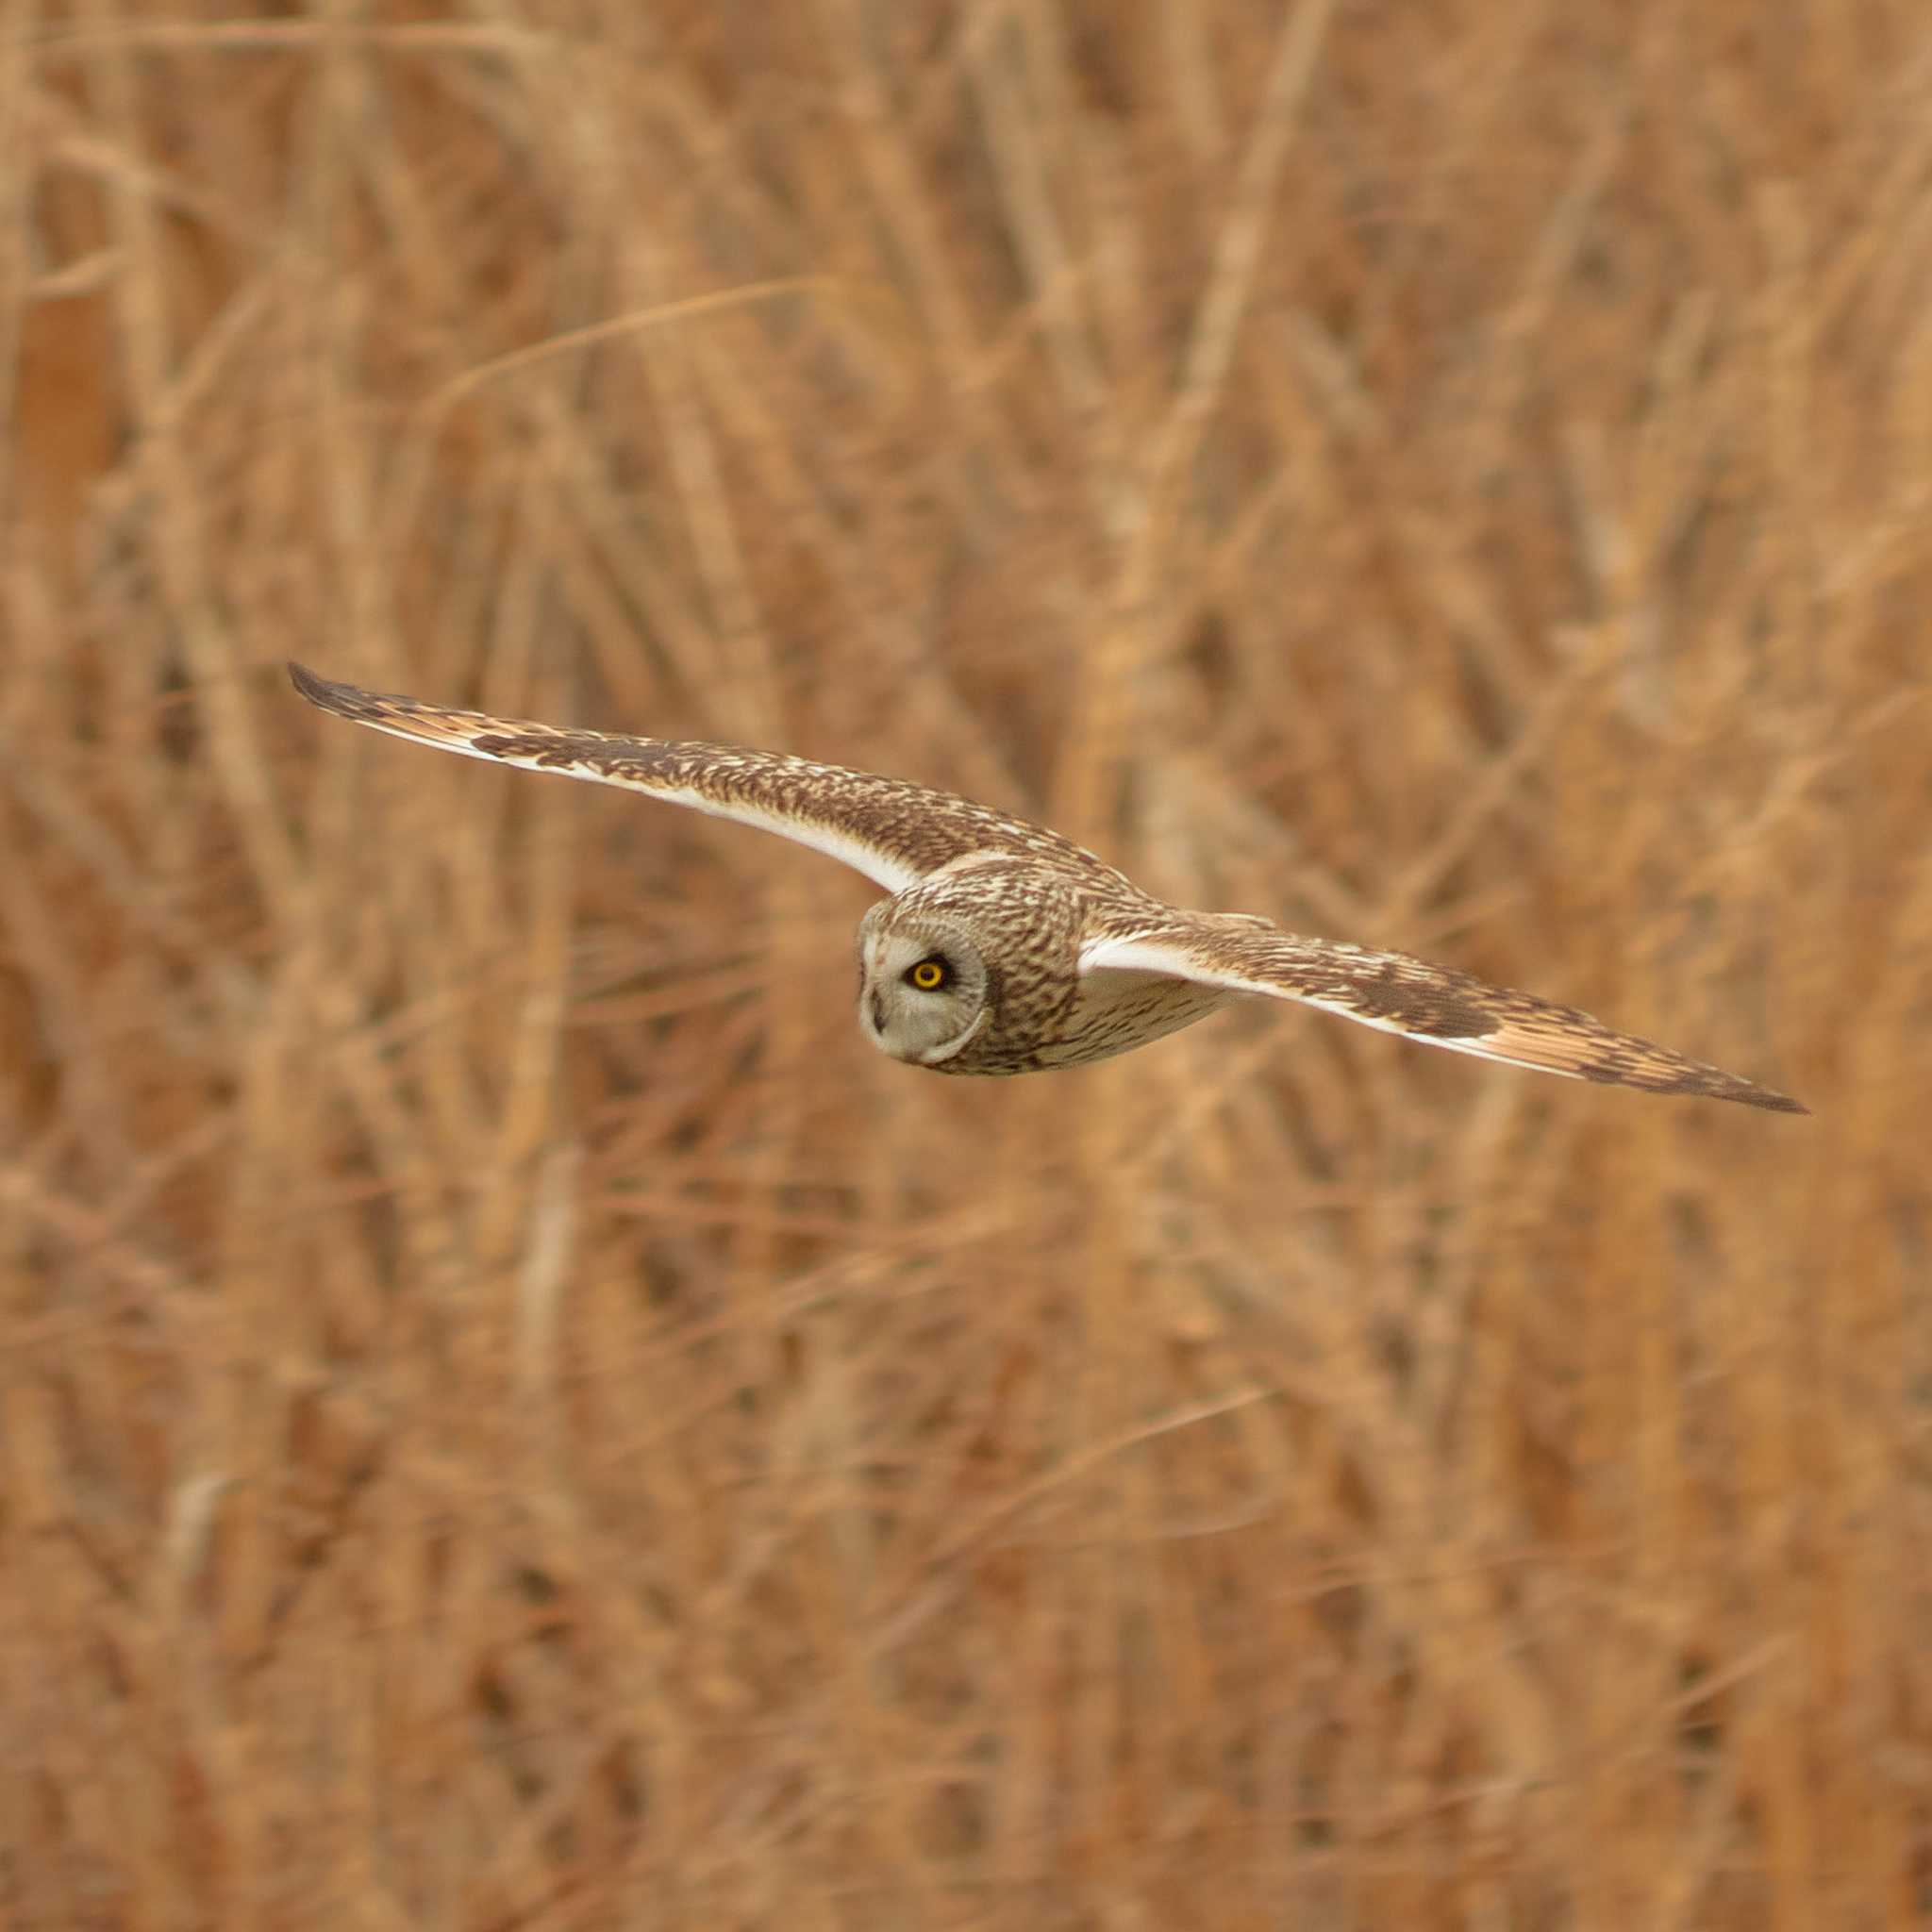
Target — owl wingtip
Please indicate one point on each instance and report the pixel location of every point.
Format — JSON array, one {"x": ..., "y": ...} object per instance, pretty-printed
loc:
[
  {"x": 315, "y": 689},
  {"x": 345, "y": 700},
  {"x": 1746, "y": 1092}
]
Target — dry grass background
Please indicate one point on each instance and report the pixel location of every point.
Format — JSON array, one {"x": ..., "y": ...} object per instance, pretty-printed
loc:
[{"x": 513, "y": 1416}]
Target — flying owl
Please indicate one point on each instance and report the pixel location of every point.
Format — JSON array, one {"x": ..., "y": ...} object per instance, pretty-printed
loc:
[{"x": 1003, "y": 948}]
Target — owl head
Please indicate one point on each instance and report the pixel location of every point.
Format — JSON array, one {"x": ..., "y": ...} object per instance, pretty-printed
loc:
[{"x": 924, "y": 989}]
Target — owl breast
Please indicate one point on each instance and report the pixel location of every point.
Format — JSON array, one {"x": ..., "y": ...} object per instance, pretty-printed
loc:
[
  {"x": 1114, "y": 1012},
  {"x": 1078, "y": 1019}
]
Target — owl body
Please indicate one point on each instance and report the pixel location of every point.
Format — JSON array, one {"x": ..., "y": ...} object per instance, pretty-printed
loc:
[
  {"x": 1003, "y": 947},
  {"x": 1005, "y": 936}
]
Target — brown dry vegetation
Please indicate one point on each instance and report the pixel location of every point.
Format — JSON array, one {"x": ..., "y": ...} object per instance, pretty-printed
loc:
[{"x": 513, "y": 1416}]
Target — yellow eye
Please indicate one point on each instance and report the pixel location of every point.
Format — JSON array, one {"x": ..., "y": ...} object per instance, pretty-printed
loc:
[{"x": 928, "y": 975}]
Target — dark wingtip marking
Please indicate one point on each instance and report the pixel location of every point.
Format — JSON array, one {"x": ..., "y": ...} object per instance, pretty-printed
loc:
[
  {"x": 1696, "y": 1086},
  {"x": 1732, "y": 1087},
  {"x": 1765, "y": 1097},
  {"x": 315, "y": 689},
  {"x": 345, "y": 700}
]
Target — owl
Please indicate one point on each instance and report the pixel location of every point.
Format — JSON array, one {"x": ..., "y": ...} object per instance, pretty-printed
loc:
[{"x": 1002, "y": 948}]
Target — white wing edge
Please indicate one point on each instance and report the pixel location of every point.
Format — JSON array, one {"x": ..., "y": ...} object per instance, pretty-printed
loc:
[
  {"x": 882, "y": 870},
  {"x": 1148, "y": 951}
]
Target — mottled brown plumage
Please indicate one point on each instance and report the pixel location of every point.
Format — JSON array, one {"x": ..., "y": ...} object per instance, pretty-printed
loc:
[{"x": 1003, "y": 948}]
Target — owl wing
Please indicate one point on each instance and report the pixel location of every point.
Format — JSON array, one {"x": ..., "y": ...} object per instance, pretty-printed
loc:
[
  {"x": 1430, "y": 1003},
  {"x": 893, "y": 832}
]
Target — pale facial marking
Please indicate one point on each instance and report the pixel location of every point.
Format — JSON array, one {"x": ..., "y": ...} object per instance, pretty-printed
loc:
[{"x": 921, "y": 992}]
